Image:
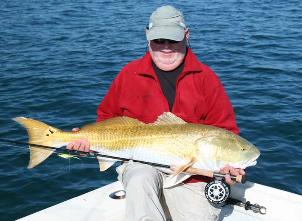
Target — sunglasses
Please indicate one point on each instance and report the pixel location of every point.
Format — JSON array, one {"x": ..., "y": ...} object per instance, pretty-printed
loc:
[{"x": 161, "y": 41}]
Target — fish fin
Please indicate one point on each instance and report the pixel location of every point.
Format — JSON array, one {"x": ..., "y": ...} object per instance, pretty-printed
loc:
[
  {"x": 179, "y": 169},
  {"x": 104, "y": 164},
  {"x": 173, "y": 180},
  {"x": 38, "y": 133},
  {"x": 37, "y": 156},
  {"x": 168, "y": 118},
  {"x": 113, "y": 123},
  {"x": 177, "y": 176}
]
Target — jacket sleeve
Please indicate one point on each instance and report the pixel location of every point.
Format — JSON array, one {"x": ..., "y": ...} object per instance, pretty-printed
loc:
[
  {"x": 109, "y": 106},
  {"x": 220, "y": 112}
]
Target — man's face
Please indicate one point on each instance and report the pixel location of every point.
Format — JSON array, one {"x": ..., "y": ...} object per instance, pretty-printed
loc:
[{"x": 167, "y": 54}]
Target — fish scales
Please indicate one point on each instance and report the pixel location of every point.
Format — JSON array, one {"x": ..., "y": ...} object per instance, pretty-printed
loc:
[{"x": 169, "y": 140}]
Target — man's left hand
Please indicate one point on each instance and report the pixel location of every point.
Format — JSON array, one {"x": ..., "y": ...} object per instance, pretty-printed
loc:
[{"x": 228, "y": 170}]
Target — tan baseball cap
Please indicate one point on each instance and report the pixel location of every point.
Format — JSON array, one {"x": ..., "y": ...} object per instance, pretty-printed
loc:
[{"x": 166, "y": 22}]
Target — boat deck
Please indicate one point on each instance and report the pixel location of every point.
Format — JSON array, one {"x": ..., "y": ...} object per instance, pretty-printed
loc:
[{"x": 97, "y": 205}]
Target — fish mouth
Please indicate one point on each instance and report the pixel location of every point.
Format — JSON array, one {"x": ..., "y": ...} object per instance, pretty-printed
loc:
[{"x": 252, "y": 162}]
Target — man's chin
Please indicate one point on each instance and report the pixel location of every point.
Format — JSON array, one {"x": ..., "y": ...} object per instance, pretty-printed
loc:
[
  {"x": 167, "y": 67},
  {"x": 170, "y": 61}
]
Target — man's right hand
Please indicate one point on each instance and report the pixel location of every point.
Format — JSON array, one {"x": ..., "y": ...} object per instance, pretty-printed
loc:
[{"x": 80, "y": 144}]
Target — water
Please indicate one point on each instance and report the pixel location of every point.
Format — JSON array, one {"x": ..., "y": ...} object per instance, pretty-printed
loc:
[{"x": 58, "y": 58}]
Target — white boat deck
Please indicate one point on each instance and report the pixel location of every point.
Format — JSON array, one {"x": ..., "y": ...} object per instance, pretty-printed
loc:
[{"x": 97, "y": 205}]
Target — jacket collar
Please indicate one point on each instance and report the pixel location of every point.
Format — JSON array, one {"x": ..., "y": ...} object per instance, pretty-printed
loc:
[{"x": 191, "y": 65}]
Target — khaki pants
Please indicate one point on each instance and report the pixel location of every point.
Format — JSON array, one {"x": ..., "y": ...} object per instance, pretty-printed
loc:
[{"x": 146, "y": 200}]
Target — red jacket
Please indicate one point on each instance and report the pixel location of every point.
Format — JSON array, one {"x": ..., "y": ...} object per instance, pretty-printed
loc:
[{"x": 200, "y": 96}]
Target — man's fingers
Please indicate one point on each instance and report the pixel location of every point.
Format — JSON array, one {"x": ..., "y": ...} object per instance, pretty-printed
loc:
[
  {"x": 242, "y": 172},
  {"x": 76, "y": 145},
  {"x": 69, "y": 146},
  {"x": 87, "y": 147},
  {"x": 234, "y": 171},
  {"x": 225, "y": 169},
  {"x": 80, "y": 145},
  {"x": 228, "y": 180},
  {"x": 84, "y": 146},
  {"x": 231, "y": 171}
]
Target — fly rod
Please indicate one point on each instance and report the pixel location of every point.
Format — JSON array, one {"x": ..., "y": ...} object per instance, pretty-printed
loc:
[
  {"x": 219, "y": 198},
  {"x": 94, "y": 154}
]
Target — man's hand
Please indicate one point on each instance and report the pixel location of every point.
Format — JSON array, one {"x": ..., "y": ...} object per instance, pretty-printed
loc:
[
  {"x": 80, "y": 144},
  {"x": 231, "y": 171}
]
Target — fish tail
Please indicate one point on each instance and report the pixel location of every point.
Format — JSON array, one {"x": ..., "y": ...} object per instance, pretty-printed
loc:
[{"x": 38, "y": 133}]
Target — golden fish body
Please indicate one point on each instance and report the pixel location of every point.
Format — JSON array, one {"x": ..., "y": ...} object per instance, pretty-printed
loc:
[{"x": 169, "y": 141}]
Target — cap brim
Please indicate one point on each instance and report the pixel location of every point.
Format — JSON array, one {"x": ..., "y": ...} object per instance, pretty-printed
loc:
[{"x": 166, "y": 32}]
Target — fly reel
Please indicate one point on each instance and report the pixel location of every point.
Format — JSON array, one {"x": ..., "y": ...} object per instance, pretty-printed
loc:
[{"x": 217, "y": 192}]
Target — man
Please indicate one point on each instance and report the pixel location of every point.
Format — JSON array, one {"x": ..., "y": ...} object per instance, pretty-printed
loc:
[{"x": 168, "y": 77}]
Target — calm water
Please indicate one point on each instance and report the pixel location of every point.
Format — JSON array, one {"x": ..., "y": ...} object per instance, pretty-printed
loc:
[{"x": 57, "y": 59}]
